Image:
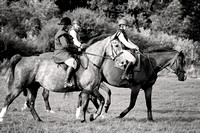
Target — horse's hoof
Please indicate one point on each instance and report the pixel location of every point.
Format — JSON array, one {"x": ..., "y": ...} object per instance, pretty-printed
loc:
[
  {"x": 24, "y": 109},
  {"x": 102, "y": 116},
  {"x": 118, "y": 117},
  {"x": 39, "y": 120},
  {"x": 82, "y": 121},
  {"x": 106, "y": 109},
  {"x": 92, "y": 117},
  {"x": 51, "y": 111},
  {"x": 151, "y": 120}
]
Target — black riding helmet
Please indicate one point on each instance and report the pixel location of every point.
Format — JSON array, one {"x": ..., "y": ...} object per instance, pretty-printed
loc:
[{"x": 65, "y": 21}]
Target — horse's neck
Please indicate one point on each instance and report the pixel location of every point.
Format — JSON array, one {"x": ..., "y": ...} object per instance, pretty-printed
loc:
[
  {"x": 96, "y": 52},
  {"x": 162, "y": 59}
]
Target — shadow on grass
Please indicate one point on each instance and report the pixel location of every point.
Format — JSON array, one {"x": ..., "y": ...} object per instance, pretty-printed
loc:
[
  {"x": 187, "y": 119},
  {"x": 174, "y": 111}
]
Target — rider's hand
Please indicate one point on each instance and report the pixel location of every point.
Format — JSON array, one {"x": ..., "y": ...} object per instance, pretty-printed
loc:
[
  {"x": 136, "y": 48},
  {"x": 79, "y": 49}
]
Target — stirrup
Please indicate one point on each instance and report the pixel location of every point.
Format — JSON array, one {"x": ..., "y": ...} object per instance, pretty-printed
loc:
[
  {"x": 68, "y": 84},
  {"x": 125, "y": 77}
]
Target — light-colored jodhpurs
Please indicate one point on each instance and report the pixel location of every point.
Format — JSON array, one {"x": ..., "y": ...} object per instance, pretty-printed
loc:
[
  {"x": 128, "y": 56},
  {"x": 71, "y": 62}
]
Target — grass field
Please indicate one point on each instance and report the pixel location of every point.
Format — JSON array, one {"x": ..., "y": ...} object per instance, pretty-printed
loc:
[{"x": 176, "y": 109}]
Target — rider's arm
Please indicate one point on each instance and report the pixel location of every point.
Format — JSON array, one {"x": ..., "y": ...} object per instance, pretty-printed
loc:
[
  {"x": 75, "y": 39},
  {"x": 63, "y": 41},
  {"x": 127, "y": 43}
]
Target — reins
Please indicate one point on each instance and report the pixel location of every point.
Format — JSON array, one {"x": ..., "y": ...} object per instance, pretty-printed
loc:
[{"x": 160, "y": 67}]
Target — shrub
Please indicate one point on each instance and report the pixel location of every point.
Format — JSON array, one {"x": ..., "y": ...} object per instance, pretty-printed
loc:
[
  {"x": 45, "y": 40},
  {"x": 93, "y": 24},
  {"x": 10, "y": 44}
]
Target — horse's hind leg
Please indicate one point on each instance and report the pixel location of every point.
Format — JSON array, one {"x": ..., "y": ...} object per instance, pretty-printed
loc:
[
  {"x": 45, "y": 95},
  {"x": 9, "y": 99},
  {"x": 148, "y": 93},
  {"x": 32, "y": 91}
]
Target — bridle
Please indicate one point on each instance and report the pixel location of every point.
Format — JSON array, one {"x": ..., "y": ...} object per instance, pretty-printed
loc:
[{"x": 170, "y": 63}]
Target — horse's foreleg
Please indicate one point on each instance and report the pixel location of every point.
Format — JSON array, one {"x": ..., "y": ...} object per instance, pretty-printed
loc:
[
  {"x": 45, "y": 95},
  {"x": 94, "y": 101},
  {"x": 9, "y": 99},
  {"x": 98, "y": 95},
  {"x": 83, "y": 104},
  {"x": 148, "y": 93},
  {"x": 134, "y": 93},
  {"x": 78, "y": 106},
  {"x": 31, "y": 102},
  {"x": 108, "y": 101}
]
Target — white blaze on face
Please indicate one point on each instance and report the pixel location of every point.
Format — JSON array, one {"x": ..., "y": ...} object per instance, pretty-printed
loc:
[{"x": 78, "y": 112}]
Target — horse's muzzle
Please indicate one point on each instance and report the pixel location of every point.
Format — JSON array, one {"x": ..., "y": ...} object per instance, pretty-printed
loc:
[{"x": 182, "y": 76}]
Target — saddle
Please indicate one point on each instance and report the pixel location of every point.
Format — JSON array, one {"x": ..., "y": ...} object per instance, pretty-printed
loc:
[{"x": 64, "y": 67}]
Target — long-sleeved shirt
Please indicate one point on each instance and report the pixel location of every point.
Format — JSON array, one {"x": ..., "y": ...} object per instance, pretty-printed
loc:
[
  {"x": 126, "y": 41},
  {"x": 74, "y": 34}
]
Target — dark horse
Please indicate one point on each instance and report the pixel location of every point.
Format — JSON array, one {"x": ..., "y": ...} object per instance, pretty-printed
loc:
[
  {"x": 33, "y": 72},
  {"x": 151, "y": 63}
]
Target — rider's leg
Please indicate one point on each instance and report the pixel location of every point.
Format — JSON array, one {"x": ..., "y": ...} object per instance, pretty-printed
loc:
[
  {"x": 69, "y": 72},
  {"x": 131, "y": 61}
]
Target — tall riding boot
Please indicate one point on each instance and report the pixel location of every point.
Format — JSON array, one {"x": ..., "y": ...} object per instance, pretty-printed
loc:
[
  {"x": 138, "y": 64},
  {"x": 125, "y": 74},
  {"x": 67, "y": 82}
]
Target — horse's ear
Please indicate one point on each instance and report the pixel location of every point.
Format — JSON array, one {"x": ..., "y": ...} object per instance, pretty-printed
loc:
[{"x": 181, "y": 52}]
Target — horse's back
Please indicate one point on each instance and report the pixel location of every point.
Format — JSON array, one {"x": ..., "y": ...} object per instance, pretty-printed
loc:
[{"x": 46, "y": 55}]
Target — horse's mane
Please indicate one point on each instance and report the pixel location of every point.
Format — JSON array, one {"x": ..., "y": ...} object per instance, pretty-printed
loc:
[
  {"x": 96, "y": 39},
  {"x": 158, "y": 49}
]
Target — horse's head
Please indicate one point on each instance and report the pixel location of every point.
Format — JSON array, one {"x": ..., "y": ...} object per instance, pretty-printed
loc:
[
  {"x": 114, "y": 50},
  {"x": 178, "y": 65},
  {"x": 107, "y": 48}
]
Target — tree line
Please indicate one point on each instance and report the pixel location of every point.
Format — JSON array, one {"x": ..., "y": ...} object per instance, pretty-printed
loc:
[{"x": 180, "y": 18}]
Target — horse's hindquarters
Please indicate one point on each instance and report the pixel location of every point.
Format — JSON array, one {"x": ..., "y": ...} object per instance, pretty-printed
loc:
[{"x": 51, "y": 76}]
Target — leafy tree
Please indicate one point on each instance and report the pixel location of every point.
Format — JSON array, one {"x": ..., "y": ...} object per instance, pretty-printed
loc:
[
  {"x": 169, "y": 20},
  {"x": 191, "y": 10}
]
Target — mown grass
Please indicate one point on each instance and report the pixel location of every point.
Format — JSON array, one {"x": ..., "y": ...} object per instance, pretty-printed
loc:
[{"x": 176, "y": 109}]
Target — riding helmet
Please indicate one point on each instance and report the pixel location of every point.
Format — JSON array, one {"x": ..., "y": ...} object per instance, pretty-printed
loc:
[
  {"x": 65, "y": 21},
  {"x": 123, "y": 22}
]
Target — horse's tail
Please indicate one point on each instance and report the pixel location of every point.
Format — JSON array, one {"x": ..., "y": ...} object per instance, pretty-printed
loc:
[{"x": 11, "y": 68}]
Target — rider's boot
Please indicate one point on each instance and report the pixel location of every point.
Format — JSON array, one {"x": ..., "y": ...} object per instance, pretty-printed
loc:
[
  {"x": 138, "y": 64},
  {"x": 67, "y": 82}
]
